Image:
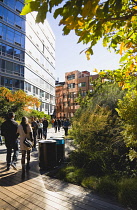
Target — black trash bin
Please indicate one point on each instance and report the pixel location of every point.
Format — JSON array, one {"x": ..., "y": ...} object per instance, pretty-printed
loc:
[
  {"x": 60, "y": 143},
  {"x": 47, "y": 154}
]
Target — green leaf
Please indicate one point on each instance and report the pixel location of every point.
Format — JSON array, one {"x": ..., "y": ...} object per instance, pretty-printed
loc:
[
  {"x": 26, "y": 9},
  {"x": 28, "y": 1},
  {"x": 42, "y": 12},
  {"x": 123, "y": 58},
  {"x": 30, "y": 7},
  {"x": 57, "y": 12},
  {"x": 66, "y": 31}
]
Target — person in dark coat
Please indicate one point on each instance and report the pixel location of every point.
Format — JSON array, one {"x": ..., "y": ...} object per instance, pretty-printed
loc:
[
  {"x": 55, "y": 125},
  {"x": 9, "y": 130},
  {"x": 45, "y": 126},
  {"x": 34, "y": 126},
  {"x": 66, "y": 124},
  {"x": 59, "y": 124}
]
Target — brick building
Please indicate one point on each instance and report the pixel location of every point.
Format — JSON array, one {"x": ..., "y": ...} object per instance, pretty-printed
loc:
[{"x": 66, "y": 92}]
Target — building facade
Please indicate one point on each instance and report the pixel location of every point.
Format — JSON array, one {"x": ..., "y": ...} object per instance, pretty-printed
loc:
[
  {"x": 66, "y": 92},
  {"x": 27, "y": 54}
]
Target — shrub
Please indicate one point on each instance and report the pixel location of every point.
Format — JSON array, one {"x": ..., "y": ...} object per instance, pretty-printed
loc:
[
  {"x": 127, "y": 194},
  {"x": 79, "y": 158},
  {"x": 90, "y": 182},
  {"x": 107, "y": 186},
  {"x": 72, "y": 174},
  {"x": 75, "y": 176}
]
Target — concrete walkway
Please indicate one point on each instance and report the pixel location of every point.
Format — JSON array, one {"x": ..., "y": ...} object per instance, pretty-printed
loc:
[{"x": 38, "y": 191}]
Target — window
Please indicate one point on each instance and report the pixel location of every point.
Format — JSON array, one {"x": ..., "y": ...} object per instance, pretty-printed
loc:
[
  {"x": 16, "y": 83},
  {"x": 1, "y": 12},
  {"x": 22, "y": 56},
  {"x": 17, "y": 38},
  {"x": 22, "y": 85},
  {"x": 0, "y": 30},
  {"x": 43, "y": 105},
  {"x": 46, "y": 106},
  {"x": 19, "y": 6},
  {"x": 29, "y": 87},
  {"x": 82, "y": 84},
  {"x": 83, "y": 93},
  {"x": 9, "y": 67},
  {"x": 5, "y": 14},
  {"x": 22, "y": 71},
  {"x": 72, "y": 85},
  {"x": 2, "y": 67},
  {"x": 16, "y": 54},
  {"x": 41, "y": 93},
  {"x": 36, "y": 90},
  {"x": 10, "y": 3},
  {"x": 17, "y": 69},
  {"x": 9, "y": 51},
  {"x": 10, "y": 18},
  {"x": 70, "y": 77},
  {"x": 2, "y": 81},
  {"x": 3, "y": 49},
  {"x": 26, "y": 86},
  {"x": 10, "y": 35},
  {"x": 46, "y": 95},
  {"x": 18, "y": 22}
]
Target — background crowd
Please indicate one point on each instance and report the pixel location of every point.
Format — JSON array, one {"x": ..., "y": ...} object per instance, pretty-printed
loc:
[{"x": 32, "y": 130}]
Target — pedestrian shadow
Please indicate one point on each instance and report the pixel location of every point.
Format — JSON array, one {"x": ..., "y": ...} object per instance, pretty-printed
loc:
[
  {"x": 3, "y": 151},
  {"x": 14, "y": 177}
]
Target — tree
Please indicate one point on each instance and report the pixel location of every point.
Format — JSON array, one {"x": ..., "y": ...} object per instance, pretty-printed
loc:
[
  {"x": 15, "y": 101},
  {"x": 127, "y": 110},
  {"x": 112, "y": 20}
]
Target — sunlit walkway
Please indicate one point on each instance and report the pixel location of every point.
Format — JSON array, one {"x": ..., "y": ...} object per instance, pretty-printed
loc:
[{"x": 38, "y": 191}]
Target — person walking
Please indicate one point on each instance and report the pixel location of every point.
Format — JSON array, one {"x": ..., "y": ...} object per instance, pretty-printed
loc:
[
  {"x": 55, "y": 125},
  {"x": 25, "y": 131},
  {"x": 66, "y": 124},
  {"x": 9, "y": 131},
  {"x": 58, "y": 124},
  {"x": 34, "y": 126},
  {"x": 45, "y": 126},
  {"x": 40, "y": 129}
]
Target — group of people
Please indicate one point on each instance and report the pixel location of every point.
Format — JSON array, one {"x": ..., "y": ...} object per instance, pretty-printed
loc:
[
  {"x": 11, "y": 131},
  {"x": 39, "y": 128},
  {"x": 58, "y": 123}
]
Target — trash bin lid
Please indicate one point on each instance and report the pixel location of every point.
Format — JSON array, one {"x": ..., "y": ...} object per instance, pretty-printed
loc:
[
  {"x": 47, "y": 141},
  {"x": 59, "y": 141},
  {"x": 56, "y": 137}
]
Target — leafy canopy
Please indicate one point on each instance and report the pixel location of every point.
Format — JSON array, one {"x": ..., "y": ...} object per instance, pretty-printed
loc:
[{"x": 112, "y": 20}]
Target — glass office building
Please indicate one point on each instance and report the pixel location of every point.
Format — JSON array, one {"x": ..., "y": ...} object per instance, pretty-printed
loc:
[{"x": 27, "y": 54}]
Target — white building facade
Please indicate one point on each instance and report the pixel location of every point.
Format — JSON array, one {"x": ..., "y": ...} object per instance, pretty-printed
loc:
[{"x": 27, "y": 54}]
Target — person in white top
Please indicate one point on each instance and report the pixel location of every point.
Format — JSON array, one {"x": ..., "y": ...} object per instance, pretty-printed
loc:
[
  {"x": 25, "y": 131},
  {"x": 40, "y": 129}
]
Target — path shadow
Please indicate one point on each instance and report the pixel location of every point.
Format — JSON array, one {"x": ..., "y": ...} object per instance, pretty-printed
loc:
[{"x": 13, "y": 177}]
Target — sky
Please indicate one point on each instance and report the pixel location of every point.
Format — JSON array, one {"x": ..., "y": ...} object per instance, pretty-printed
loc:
[{"x": 68, "y": 57}]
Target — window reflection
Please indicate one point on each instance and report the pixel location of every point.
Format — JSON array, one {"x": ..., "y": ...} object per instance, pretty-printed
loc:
[
  {"x": 17, "y": 54},
  {"x": 10, "y": 17},
  {"x": 17, "y": 69},
  {"x": 11, "y": 52},
  {"x": 12, "y": 35},
  {"x": 16, "y": 83},
  {"x": 12, "y": 68}
]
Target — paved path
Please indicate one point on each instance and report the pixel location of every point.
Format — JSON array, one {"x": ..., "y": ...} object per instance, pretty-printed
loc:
[{"x": 38, "y": 191}]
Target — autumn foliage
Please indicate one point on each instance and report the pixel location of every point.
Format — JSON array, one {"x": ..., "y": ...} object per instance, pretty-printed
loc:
[{"x": 14, "y": 101}]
